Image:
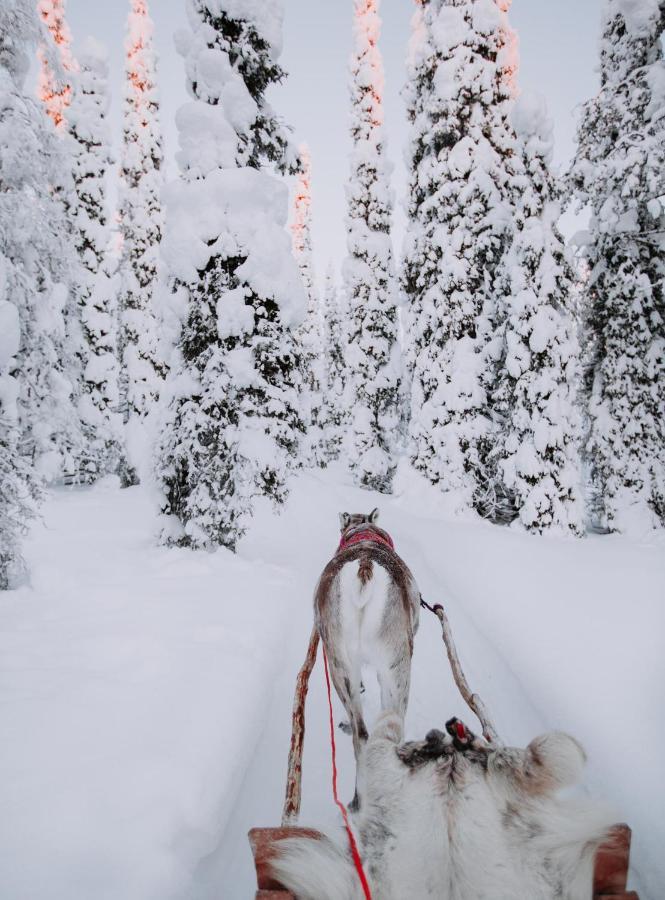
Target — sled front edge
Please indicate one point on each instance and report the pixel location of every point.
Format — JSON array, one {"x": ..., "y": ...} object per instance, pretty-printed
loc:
[{"x": 609, "y": 883}]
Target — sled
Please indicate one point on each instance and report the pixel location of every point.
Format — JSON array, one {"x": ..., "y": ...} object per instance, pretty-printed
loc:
[{"x": 609, "y": 883}]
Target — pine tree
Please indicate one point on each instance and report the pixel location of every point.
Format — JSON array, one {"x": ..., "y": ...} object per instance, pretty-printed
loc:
[
  {"x": 536, "y": 442},
  {"x": 462, "y": 145},
  {"x": 57, "y": 65},
  {"x": 89, "y": 141},
  {"x": 230, "y": 426},
  {"x": 37, "y": 421},
  {"x": 619, "y": 171},
  {"x": 335, "y": 411},
  {"x": 373, "y": 354},
  {"x": 309, "y": 335},
  {"x": 20, "y": 486},
  {"x": 142, "y": 371}
]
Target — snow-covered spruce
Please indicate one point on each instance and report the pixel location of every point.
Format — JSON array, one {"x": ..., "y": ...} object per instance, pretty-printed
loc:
[
  {"x": 535, "y": 443},
  {"x": 373, "y": 354},
  {"x": 19, "y": 481},
  {"x": 37, "y": 419},
  {"x": 230, "y": 424},
  {"x": 89, "y": 141},
  {"x": 37, "y": 255},
  {"x": 619, "y": 171},
  {"x": 310, "y": 333},
  {"x": 462, "y": 61},
  {"x": 335, "y": 409},
  {"x": 142, "y": 370},
  {"x": 57, "y": 65}
]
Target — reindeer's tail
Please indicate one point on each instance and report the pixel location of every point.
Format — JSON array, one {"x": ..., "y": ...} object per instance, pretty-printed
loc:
[
  {"x": 316, "y": 870},
  {"x": 365, "y": 569}
]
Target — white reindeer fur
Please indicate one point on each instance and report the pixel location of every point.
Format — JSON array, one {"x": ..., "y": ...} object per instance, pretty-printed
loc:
[
  {"x": 456, "y": 829},
  {"x": 362, "y": 611}
]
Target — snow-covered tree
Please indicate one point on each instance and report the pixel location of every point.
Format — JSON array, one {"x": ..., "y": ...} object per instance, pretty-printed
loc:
[
  {"x": 19, "y": 483},
  {"x": 619, "y": 172},
  {"x": 535, "y": 444},
  {"x": 17, "y": 477},
  {"x": 57, "y": 65},
  {"x": 89, "y": 141},
  {"x": 373, "y": 354},
  {"x": 230, "y": 424},
  {"x": 335, "y": 408},
  {"x": 141, "y": 227},
  {"x": 309, "y": 335},
  {"x": 38, "y": 422},
  {"x": 462, "y": 61}
]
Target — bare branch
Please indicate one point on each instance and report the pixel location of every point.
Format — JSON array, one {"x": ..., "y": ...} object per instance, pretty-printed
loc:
[
  {"x": 294, "y": 773},
  {"x": 473, "y": 701}
]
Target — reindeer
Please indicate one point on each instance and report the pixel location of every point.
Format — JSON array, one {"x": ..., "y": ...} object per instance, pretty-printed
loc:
[
  {"x": 366, "y": 609},
  {"x": 454, "y": 818}
]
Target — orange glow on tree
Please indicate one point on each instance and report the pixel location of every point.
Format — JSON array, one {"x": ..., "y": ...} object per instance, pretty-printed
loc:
[
  {"x": 367, "y": 63},
  {"x": 54, "y": 90},
  {"x": 509, "y": 58},
  {"x": 302, "y": 203}
]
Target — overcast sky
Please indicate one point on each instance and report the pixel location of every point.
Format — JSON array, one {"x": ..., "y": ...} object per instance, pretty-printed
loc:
[{"x": 558, "y": 50}]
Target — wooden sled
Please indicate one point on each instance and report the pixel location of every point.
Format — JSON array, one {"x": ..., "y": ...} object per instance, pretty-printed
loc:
[{"x": 610, "y": 877}]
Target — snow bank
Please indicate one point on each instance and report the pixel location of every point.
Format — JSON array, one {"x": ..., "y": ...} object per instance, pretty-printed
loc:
[{"x": 134, "y": 682}]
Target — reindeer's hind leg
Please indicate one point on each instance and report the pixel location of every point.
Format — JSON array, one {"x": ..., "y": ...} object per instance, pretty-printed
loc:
[{"x": 394, "y": 681}]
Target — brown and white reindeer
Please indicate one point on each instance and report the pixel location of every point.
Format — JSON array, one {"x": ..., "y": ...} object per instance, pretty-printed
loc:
[
  {"x": 452, "y": 818},
  {"x": 366, "y": 609}
]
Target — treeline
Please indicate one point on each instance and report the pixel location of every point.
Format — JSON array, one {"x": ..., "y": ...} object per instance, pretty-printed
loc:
[{"x": 182, "y": 337}]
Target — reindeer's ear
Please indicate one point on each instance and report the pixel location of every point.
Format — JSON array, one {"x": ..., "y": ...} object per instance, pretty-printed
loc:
[
  {"x": 373, "y": 516},
  {"x": 344, "y": 519}
]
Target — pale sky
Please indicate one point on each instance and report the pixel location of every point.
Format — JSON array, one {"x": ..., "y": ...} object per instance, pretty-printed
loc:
[{"x": 558, "y": 51}]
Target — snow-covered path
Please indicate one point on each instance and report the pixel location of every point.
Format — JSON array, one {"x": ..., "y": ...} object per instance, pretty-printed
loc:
[{"x": 147, "y": 693}]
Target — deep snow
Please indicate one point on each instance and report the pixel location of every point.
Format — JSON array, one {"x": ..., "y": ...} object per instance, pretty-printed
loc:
[{"x": 146, "y": 692}]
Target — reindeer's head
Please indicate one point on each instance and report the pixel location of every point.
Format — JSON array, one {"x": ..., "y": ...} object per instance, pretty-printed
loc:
[{"x": 350, "y": 520}]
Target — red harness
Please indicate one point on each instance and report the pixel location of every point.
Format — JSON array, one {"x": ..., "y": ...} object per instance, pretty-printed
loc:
[{"x": 366, "y": 534}]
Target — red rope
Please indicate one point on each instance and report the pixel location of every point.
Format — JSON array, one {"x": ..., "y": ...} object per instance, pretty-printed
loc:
[{"x": 352, "y": 841}]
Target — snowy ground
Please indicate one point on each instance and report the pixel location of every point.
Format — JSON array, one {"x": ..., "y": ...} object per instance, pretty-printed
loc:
[{"x": 146, "y": 693}]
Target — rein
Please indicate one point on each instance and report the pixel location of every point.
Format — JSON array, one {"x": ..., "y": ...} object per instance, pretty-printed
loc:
[{"x": 355, "y": 853}]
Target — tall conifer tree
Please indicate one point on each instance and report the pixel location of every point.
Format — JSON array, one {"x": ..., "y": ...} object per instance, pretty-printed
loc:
[
  {"x": 230, "y": 428},
  {"x": 619, "y": 171},
  {"x": 373, "y": 353},
  {"x": 142, "y": 370},
  {"x": 99, "y": 396},
  {"x": 335, "y": 407},
  {"x": 534, "y": 446},
  {"x": 38, "y": 423},
  {"x": 309, "y": 335},
  {"x": 461, "y": 68}
]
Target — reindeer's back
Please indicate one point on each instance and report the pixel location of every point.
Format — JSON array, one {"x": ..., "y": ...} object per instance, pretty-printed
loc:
[{"x": 364, "y": 563}]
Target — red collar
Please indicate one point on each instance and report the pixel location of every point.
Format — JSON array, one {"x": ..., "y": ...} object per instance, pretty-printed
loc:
[{"x": 366, "y": 534}]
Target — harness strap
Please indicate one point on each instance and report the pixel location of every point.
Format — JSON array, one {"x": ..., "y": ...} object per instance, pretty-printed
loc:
[{"x": 366, "y": 534}]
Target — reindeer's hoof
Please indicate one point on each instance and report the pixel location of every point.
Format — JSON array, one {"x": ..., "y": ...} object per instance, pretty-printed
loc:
[{"x": 345, "y": 727}]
